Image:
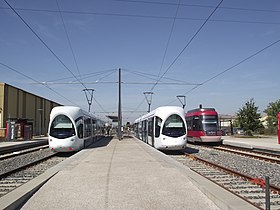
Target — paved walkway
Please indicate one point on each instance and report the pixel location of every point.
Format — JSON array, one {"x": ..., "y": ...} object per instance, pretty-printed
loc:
[
  {"x": 125, "y": 174},
  {"x": 266, "y": 143}
]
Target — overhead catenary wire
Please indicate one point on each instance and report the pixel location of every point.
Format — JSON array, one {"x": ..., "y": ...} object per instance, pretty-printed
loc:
[
  {"x": 85, "y": 76},
  {"x": 147, "y": 2},
  {"x": 109, "y": 72},
  {"x": 181, "y": 52},
  {"x": 155, "y": 77},
  {"x": 44, "y": 43},
  {"x": 159, "y": 82},
  {"x": 143, "y": 16},
  {"x": 237, "y": 64},
  {"x": 34, "y": 80},
  {"x": 197, "y": 5},
  {"x": 69, "y": 42},
  {"x": 190, "y": 41},
  {"x": 232, "y": 67},
  {"x": 169, "y": 37},
  {"x": 115, "y": 82},
  {"x": 99, "y": 104}
]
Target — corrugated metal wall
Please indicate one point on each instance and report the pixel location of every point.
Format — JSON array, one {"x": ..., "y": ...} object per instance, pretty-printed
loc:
[{"x": 17, "y": 103}]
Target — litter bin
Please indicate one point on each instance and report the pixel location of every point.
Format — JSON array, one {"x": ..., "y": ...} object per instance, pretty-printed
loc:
[
  {"x": 27, "y": 132},
  {"x": 10, "y": 130}
]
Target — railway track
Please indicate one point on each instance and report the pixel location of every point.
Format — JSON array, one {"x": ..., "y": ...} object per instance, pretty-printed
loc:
[
  {"x": 270, "y": 157},
  {"x": 14, "y": 148},
  {"x": 250, "y": 189},
  {"x": 18, "y": 170},
  {"x": 236, "y": 173},
  {"x": 14, "y": 153}
]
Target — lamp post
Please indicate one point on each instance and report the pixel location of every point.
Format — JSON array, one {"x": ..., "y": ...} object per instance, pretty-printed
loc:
[
  {"x": 148, "y": 96},
  {"x": 182, "y": 100}
]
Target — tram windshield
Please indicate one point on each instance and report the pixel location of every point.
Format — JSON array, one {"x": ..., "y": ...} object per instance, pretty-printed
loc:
[
  {"x": 62, "y": 127},
  {"x": 210, "y": 122},
  {"x": 174, "y": 126}
]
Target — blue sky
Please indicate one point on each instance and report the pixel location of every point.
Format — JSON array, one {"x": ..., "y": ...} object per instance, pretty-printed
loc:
[{"x": 146, "y": 40}]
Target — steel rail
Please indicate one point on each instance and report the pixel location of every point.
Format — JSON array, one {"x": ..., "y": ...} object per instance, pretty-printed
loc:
[
  {"x": 246, "y": 152},
  {"x": 24, "y": 166},
  {"x": 14, "y": 148},
  {"x": 17, "y": 152},
  {"x": 234, "y": 193},
  {"x": 250, "y": 155},
  {"x": 257, "y": 181}
]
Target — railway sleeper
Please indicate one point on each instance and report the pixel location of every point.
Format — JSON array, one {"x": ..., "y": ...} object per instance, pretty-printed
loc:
[
  {"x": 261, "y": 197},
  {"x": 242, "y": 186},
  {"x": 226, "y": 180},
  {"x": 234, "y": 184},
  {"x": 274, "y": 204},
  {"x": 224, "y": 177}
]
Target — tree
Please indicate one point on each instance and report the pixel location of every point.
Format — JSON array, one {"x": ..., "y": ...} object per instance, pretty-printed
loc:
[
  {"x": 272, "y": 111},
  {"x": 248, "y": 117}
]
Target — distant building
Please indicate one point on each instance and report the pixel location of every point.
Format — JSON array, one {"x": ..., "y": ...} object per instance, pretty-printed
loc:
[
  {"x": 226, "y": 123},
  {"x": 22, "y": 106},
  {"x": 264, "y": 122},
  {"x": 226, "y": 120}
]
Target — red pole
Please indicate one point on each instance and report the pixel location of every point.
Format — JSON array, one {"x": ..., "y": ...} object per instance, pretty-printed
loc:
[{"x": 279, "y": 128}]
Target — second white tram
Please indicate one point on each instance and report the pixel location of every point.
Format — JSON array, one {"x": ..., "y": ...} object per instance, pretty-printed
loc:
[
  {"x": 163, "y": 128},
  {"x": 72, "y": 129}
]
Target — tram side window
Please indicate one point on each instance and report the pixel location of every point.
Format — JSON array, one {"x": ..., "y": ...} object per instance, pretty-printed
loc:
[
  {"x": 80, "y": 127},
  {"x": 94, "y": 126},
  {"x": 150, "y": 127},
  {"x": 136, "y": 129},
  {"x": 88, "y": 127},
  {"x": 140, "y": 129},
  {"x": 146, "y": 129},
  {"x": 157, "y": 126},
  {"x": 196, "y": 123},
  {"x": 189, "y": 123}
]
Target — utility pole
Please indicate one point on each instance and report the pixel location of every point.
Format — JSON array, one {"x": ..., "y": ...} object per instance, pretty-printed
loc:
[
  {"x": 89, "y": 96},
  {"x": 148, "y": 96},
  {"x": 120, "y": 108},
  {"x": 182, "y": 100}
]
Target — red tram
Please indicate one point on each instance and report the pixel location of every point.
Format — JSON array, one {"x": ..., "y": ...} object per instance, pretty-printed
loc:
[{"x": 203, "y": 125}]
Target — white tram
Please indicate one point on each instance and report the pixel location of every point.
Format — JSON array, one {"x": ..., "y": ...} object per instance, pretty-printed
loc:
[
  {"x": 163, "y": 128},
  {"x": 72, "y": 129}
]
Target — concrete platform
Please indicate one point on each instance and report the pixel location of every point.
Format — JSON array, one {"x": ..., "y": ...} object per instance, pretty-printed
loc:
[
  {"x": 7, "y": 143},
  {"x": 6, "y": 146},
  {"x": 265, "y": 143},
  {"x": 129, "y": 174}
]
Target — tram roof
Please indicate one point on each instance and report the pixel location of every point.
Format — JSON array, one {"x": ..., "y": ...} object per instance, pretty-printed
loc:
[{"x": 201, "y": 110}]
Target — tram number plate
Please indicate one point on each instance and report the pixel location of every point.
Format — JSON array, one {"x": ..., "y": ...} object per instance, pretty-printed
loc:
[{"x": 211, "y": 133}]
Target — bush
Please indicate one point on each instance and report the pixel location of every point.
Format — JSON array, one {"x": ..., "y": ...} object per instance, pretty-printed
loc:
[
  {"x": 270, "y": 131},
  {"x": 248, "y": 133}
]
